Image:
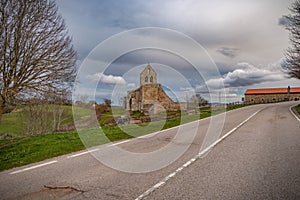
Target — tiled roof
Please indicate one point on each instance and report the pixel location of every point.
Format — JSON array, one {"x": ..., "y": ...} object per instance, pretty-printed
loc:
[{"x": 272, "y": 91}]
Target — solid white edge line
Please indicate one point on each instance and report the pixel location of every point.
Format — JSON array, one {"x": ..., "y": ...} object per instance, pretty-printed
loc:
[
  {"x": 294, "y": 113},
  {"x": 121, "y": 142},
  {"x": 149, "y": 135},
  {"x": 117, "y": 143},
  {"x": 129, "y": 140},
  {"x": 82, "y": 153},
  {"x": 33, "y": 167},
  {"x": 199, "y": 155},
  {"x": 196, "y": 121}
]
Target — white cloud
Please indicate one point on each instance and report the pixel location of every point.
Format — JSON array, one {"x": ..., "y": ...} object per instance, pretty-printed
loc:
[
  {"x": 131, "y": 85},
  {"x": 230, "y": 31},
  {"x": 107, "y": 79},
  {"x": 232, "y": 95},
  {"x": 187, "y": 89},
  {"x": 246, "y": 74}
]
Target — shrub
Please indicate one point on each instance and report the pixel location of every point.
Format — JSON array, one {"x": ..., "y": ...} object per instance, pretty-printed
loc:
[{"x": 110, "y": 121}]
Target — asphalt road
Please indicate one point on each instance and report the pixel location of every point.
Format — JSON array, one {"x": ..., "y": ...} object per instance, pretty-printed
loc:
[{"x": 257, "y": 158}]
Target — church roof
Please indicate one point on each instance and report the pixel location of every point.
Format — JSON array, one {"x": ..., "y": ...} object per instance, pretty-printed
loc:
[{"x": 272, "y": 91}]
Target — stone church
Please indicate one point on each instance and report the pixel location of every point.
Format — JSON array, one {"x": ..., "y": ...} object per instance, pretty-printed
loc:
[
  {"x": 150, "y": 96},
  {"x": 270, "y": 95}
]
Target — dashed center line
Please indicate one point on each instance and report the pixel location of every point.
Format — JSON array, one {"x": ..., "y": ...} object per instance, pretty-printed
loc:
[
  {"x": 115, "y": 144},
  {"x": 199, "y": 155}
]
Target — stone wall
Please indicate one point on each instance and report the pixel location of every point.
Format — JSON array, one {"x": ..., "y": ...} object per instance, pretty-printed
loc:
[
  {"x": 149, "y": 93},
  {"x": 270, "y": 98},
  {"x": 153, "y": 94},
  {"x": 151, "y": 97},
  {"x": 133, "y": 100},
  {"x": 166, "y": 101}
]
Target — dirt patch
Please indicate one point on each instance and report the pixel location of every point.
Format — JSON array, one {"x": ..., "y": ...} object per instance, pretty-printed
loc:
[{"x": 85, "y": 122}]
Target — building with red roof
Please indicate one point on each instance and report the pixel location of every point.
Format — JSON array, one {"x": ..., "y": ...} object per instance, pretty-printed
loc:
[{"x": 270, "y": 95}]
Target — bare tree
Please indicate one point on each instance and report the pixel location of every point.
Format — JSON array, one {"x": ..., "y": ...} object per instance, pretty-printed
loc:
[
  {"x": 293, "y": 53},
  {"x": 58, "y": 109},
  {"x": 199, "y": 100},
  {"x": 35, "y": 50},
  {"x": 107, "y": 102},
  {"x": 44, "y": 114}
]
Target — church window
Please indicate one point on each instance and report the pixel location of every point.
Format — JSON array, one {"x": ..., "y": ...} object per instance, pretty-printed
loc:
[
  {"x": 148, "y": 70},
  {"x": 151, "y": 79},
  {"x": 146, "y": 79}
]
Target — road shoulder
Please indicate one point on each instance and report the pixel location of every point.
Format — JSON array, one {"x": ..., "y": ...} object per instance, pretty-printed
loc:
[{"x": 294, "y": 110}]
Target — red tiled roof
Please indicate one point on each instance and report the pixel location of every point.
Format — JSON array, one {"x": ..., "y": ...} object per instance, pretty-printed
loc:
[{"x": 272, "y": 91}]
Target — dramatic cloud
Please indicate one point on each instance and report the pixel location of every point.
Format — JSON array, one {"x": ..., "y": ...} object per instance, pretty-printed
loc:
[
  {"x": 107, "y": 79},
  {"x": 236, "y": 23},
  {"x": 228, "y": 51},
  {"x": 245, "y": 74},
  {"x": 229, "y": 31},
  {"x": 283, "y": 21}
]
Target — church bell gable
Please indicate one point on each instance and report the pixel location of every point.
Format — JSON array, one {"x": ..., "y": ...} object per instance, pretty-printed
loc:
[{"x": 148, "y": 76}]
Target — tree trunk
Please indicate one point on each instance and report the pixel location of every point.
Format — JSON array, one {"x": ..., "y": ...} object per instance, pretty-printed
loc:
[
  {"x": 54, "y": 123},
  {"x": 60, "y": 112},
  {"x": 1, "y": 108}
]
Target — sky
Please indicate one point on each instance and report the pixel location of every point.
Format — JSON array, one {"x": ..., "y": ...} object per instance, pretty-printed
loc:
[{"x": 242, "y": 45}]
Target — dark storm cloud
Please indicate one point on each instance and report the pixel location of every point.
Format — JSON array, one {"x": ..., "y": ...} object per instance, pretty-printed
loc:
[
  {"x": 155, "y": 57},
  {"x": 245, "y": 74},
  {"x": 91, "y": 22},
  {"x": 230, "y": 31},
  {"x": 228, "y": 51},
  {"x": 283, "y": 21}
]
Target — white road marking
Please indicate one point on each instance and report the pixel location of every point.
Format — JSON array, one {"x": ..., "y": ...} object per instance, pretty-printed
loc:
[
  {"x": 117, "y": 143},
  {"x": 33, "y": 167},
  {"x": 199, "y": 155},
  {"x": 82, "y": 153},
  {"x": 147, "y": 135},
  {"x": 129, "y": 140},
  {"x": 294, "y": 113},
  {"x": 125, "y": 141}
]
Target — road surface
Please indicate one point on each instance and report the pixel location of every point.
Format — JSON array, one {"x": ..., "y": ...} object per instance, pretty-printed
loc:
[{"x": 257, "y": 157}]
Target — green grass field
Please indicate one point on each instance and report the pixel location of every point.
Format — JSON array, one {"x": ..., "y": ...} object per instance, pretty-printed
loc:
[
  {"x": 13, "y": 123},
  {"x": 21, "y": 149},
  {"x": 24, "y": 150}
]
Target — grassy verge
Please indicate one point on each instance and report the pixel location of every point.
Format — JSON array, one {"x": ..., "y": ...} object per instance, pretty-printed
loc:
[
  {"x": 298, "y": 108},
  {"x": 29, "y": 149},
  {"x": 24, "y": 150}
]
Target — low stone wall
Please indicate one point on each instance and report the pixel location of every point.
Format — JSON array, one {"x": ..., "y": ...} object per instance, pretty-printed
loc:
[{"x": 270, "y": 98}]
